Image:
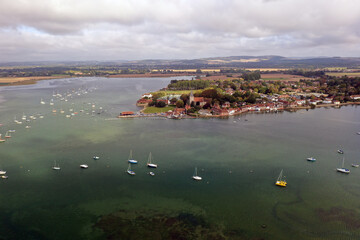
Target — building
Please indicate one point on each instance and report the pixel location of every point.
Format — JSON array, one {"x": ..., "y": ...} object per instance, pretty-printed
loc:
[
  {"x": 128, "y": 113},
  {"x": 197, "y": 101},
  {"x": 355, "y": 97},
  {"x": 147, "y": 95}
]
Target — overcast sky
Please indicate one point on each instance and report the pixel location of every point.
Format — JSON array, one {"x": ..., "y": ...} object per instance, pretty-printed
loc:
[{"x": 37, "y": 30}]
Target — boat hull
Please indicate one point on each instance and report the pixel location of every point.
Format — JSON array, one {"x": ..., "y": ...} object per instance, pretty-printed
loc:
[
  {"x": 197, "y": 178},
  {"x": 133, "y": 161},
  {"x": 343, "y": 170},
  {"x": 281, "y": 183},
  {"x": 132, "y": 173},
  {"x": 150, "y": 165}
]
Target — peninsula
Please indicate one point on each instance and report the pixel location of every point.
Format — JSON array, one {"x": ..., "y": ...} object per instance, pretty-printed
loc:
[{"x": 236, "y": 91}]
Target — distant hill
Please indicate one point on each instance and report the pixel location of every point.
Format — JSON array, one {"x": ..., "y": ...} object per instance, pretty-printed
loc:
[
  {"x": 252, "y": 62},
  {"x": 212, "y": 62}
]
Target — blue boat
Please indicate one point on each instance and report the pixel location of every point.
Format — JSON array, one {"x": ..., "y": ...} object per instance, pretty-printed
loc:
[
  {"x": 340, "y": 151},
  {"x": 129, "y": 171},
  {"x": 131, "y": 160},
  {"x": 342, "y": 169},
  {"x": 311, "y": 159}
]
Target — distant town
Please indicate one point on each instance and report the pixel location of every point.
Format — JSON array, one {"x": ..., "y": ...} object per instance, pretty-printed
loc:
[{"x": 251, "y": 91}]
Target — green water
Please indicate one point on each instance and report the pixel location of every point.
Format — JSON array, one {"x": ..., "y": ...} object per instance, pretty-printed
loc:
[{"x": 239, "y": 161}]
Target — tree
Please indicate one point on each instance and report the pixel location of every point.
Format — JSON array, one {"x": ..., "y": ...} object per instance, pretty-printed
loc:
[
  {"x": 207, "y": 106},
  {"x": 160, "y": 104},
  {"x": 251, "y": 99},
  {"x": 180, "y": 104},
  {"x": 209, "y": 93},
  {"x": 173, "y": 101}
]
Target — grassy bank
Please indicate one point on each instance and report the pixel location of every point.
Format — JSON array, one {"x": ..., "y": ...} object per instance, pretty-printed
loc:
[{"x": 157, "y": 110}]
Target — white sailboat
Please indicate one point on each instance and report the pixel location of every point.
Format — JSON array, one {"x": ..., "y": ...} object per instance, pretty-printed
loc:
[
  {"x": 85, "y": 166},
  {"x": 149, "y": 164},
  {"x": 129, "y": 171},
  {"x": 311, "y": 159},
  {"x": 2, "y": 172},
  {"x": 342, "y": 169},
  {"x": 42, "y": 101},
  {"x": 1, "y": 140},
  {"x": 56, "y": 166},
  {"x": 131, "y": 160},
  {"x": 195, "y": 176}
]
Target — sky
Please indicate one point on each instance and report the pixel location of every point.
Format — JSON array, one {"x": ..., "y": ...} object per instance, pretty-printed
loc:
[{"x": 103, "y": 30}]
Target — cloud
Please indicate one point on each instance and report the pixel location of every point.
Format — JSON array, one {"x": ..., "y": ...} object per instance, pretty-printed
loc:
[{"x": 138, "y": 29}]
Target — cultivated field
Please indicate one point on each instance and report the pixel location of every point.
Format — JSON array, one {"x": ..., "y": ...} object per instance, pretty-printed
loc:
[
  {"x": 149, "y": 75},
  {"x": 282, "y": 77},
  {"x": 339, "y": 74}
]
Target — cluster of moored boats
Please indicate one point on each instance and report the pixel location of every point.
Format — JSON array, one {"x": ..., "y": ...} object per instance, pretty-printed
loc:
[
  {"x": 341, "y": 169},
  {"x": 131, "y": 161},
  {"x": 149, "y": 164},
  {"x": 70, "y": 94},
  {"x": 281, "y": 182}
]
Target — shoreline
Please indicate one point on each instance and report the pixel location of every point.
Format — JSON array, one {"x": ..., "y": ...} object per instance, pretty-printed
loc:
[
  {"x": 8, "y": 81},
  {"x": 293, "y": 109},
  {"x": 17, "y": 81}
]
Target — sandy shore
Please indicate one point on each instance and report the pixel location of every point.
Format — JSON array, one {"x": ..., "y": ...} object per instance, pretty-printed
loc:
[
  {"x": 150, "y": 75},
  {"x": 5, "y": 81}
]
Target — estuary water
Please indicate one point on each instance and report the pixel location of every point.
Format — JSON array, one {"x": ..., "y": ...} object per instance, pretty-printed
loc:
[{"x": 239, "y": 159}]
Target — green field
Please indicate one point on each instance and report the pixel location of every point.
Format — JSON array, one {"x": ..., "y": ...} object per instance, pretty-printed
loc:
[
  {"x": 339, "y": 74},
  {"x": 176, "y": 92},
  {"x": 158, "y": 110}
]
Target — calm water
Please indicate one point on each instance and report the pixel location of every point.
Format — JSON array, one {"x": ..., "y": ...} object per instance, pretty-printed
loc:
[{"x": 239, "y": 161}]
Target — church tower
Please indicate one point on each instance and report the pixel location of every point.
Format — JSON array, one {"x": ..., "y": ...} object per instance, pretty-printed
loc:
[{"x": 191, "y": 98}]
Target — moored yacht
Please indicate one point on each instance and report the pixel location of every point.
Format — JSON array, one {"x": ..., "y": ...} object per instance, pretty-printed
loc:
[
  {"x": 131, "y": 160},
  {"x": 7, "y": 134},
  {"x": 129, "y": 171},
  {"x": 340, "y": 151},
  {"x": 342, "y": 169},
  {"x": 195, "y": 176},
  {"x": 280, "y": 180},
  {"x": 149, "y": 164},
  {"x": 56, "y": 166}
]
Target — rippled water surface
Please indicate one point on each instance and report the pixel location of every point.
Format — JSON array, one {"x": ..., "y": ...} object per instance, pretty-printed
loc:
[{"x": 238, "y": 160}]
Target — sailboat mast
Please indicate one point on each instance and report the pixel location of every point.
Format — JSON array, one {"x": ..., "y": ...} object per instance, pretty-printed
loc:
[
  {"x": 130, "y": 156},
  {"x": 149, "y": 160}
]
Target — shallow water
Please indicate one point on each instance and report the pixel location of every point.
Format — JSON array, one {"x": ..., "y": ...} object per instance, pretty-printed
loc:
[{"x": 239, "y": 161}]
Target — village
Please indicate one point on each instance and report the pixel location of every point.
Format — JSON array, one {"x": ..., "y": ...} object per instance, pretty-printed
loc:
[{"x": 204, "y": 98}]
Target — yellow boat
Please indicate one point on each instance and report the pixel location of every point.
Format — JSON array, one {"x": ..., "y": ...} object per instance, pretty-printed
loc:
[{"x": 280, "y": 181}]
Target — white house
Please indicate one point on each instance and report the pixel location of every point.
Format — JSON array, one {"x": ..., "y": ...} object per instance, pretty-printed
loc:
[{"x": 148, "y": 95}]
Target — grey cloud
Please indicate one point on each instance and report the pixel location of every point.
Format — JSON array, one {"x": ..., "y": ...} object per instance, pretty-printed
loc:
[{"x": 133, "y": 29}]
